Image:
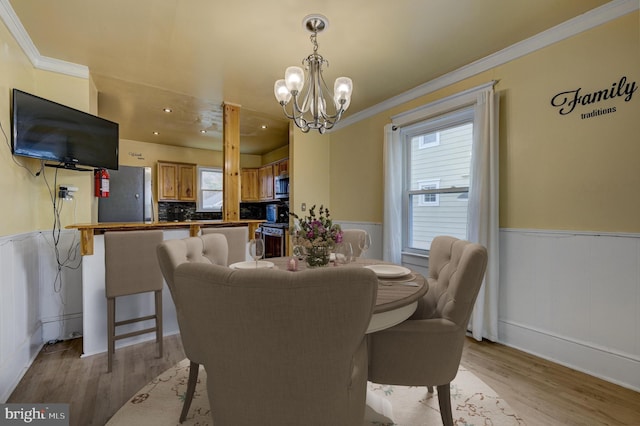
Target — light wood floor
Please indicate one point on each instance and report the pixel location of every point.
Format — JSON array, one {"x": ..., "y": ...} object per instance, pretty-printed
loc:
[{"x": 542, "y": 393}]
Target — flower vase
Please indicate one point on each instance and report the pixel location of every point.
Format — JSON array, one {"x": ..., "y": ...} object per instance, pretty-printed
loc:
[{"x": 317, "y": 256}]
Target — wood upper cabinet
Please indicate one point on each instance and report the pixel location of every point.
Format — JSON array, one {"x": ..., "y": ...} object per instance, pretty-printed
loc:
[
  {"x": 250, "y": 188},
  {"x": 257, "y": 183},
  {"x": 265, "y": 176},
  {"x": 281, "y": 168},
  {"x": 176, "y": 182}
]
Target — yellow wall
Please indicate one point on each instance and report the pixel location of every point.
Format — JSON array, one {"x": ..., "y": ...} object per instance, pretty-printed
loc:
[
  {"x": 29, "y": 199},
  {"x": 309, "y": 166},
  {"x": 275, "y": 155},
  {"x": 556, "y": 172}
]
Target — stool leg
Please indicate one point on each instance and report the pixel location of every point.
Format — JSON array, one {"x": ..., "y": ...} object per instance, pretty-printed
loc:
[
  {"x": 159, "y": 336},
  {"x": 111, "y": 331}
]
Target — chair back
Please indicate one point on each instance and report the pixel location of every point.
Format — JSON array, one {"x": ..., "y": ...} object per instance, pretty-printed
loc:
[
  {"x": 237, "y": 240},
  {"x": 285, "y": 348},
  {"x": 209, "y": 249},
  {"x": 354, "y": 236},
  {"x": 456, "y": 271},
  {"x": 131, "y": 265}
]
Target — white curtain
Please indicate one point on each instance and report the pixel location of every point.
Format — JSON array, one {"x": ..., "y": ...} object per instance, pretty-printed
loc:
[
  {"x": 483, "y": 194},
  {"x": 392, "y": 228},
  {"x": 483, "y": 211}
]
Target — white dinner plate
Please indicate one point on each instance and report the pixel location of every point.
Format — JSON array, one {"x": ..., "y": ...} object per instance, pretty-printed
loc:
[
  {"x": 251, "y": 264},
  {"x": 389, "y": 271}
]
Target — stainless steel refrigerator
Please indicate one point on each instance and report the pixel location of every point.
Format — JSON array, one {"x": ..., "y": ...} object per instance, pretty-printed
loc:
[{"x": 130, "y": 196}]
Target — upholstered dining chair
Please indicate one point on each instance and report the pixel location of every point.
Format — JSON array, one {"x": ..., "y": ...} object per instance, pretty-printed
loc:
[
  {"x": 353, "y": 237},
  {"x": 211, "y": 249},
  {"x": 281, "y": 348},
  {"x": 426, "y": 349},
  {"x": 237, "y": 240},
  {"x": 131, "y": 267}
]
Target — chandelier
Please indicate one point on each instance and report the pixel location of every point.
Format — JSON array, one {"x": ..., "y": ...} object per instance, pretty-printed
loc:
[{"x": 310, "y": 108}]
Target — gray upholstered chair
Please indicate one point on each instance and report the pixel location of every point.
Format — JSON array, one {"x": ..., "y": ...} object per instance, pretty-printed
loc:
[
  {"x": 353, "y": 237},
  {"x": 211, "y": 249},
  {"x": 131, "y": 267},
  {"x": 237, "y": 240},
  {"x": 282, "y": 348},
  {"x": 426, "y": 349}
]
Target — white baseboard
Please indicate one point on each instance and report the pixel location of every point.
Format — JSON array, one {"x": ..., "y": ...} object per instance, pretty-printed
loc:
[
  {"x": 598, "y": 362},
  {"x": 62, "y": 328}
]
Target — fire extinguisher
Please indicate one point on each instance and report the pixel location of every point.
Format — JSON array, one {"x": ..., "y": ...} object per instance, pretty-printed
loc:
[{"x": 101, "y": 178}]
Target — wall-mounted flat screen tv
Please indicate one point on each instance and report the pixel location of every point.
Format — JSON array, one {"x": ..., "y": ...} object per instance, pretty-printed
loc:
[{"x": 53, "y": 132}]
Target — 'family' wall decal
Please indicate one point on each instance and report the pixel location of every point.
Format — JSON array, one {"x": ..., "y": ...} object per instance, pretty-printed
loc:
[{"x": 567, "y": 101}]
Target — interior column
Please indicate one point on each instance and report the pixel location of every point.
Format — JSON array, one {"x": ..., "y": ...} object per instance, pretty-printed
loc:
[{"x": 231, "y": 159}]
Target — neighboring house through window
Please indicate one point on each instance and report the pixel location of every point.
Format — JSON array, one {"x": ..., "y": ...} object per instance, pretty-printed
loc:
[{"x": 437, "y": 153}]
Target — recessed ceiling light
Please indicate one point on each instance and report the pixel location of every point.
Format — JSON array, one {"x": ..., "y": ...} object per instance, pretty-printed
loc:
[
  {"x": 167, "y": 109},
  {"x": 156, "y": 133},
  {"x": 203, "y": 131},
  {"x": 264, "y": 126}
]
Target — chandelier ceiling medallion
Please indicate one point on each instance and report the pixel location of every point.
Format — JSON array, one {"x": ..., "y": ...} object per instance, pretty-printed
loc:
[{"x": 309, "y": 92}]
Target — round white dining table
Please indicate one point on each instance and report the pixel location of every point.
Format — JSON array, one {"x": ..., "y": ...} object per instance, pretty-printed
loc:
[{"x": 397, "y": 297}]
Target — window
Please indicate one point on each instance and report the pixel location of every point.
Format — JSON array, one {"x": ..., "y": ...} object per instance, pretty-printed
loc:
[
  {"x": 428, "y": 140},
  {"x": 431, "y": 198},
  {"x": 437, "y": 156},
  {"x": 209, "y": 189}
]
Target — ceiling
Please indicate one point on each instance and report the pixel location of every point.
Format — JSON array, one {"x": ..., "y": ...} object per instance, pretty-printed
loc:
[{"x": 193, "y": 55}]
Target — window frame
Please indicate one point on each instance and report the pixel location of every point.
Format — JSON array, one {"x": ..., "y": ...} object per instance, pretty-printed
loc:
[
  {"x": 432, "y": 124},
  {"x": 201, "y": 191}
]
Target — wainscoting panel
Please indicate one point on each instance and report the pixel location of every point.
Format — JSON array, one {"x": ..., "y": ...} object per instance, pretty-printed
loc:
[
  {"x": 31, "y": 302},
  {"x": 573, "y": 298}
]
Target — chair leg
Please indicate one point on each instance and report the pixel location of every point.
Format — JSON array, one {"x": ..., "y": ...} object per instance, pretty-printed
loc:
[
  {"x": 111, "y": 332},
  {"x": 194, "y": 368},
  {"x": 444, "y": 400},
  {"x": 429, "y": 389},
  {"x": 159, "y": 322}
]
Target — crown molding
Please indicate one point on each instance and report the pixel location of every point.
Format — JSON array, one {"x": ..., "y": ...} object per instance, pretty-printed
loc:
[
  {"x": 21, "y": 36},
  {"x": 598, "y": 16}
]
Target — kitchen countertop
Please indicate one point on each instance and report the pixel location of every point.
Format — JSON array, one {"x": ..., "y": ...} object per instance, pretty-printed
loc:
[{"x": 88, "y": 230}]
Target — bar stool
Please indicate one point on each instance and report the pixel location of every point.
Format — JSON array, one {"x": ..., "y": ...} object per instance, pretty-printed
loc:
[{"x": 131, "y": 267}]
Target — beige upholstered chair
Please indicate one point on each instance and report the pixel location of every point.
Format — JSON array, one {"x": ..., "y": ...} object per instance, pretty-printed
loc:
[
  {"x": 426, "y": 349},
  {"x": 211, "y": 249},
  {"x": 282, "y": 348},
  {"x": 131, "y": 267},
  {"x": 237, "y": 239},
  {"x": 354, "y": 236}
]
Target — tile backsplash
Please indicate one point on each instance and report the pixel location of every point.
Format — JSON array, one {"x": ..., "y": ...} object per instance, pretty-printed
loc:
[{"x": 176, "y": 211}]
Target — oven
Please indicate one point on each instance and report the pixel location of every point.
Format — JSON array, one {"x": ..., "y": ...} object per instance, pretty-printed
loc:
[{"x": 274, "y": 239}]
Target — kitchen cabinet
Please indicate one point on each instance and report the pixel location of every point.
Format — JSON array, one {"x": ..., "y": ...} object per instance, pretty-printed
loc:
[
  {"x": 176, "y": 181},
  {"x": 257, "y": 184},
  {"x": 282, "y": 168},
  {"x": 249, "y": 184},
  {"x": 265, "y": 177}
]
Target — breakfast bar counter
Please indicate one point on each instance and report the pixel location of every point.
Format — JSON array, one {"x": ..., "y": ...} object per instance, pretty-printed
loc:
[
  {"x": 88, "y": 230},
  {"x": 94, "y": 302}
]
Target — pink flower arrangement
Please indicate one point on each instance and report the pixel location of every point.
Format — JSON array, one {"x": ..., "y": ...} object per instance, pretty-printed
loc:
[{"x": 314, "y": 231}]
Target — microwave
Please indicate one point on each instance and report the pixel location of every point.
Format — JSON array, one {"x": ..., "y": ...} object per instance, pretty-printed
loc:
[{"x": 281, "y": 187}]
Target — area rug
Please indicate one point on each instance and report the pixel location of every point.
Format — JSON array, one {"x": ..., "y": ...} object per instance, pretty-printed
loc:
[{"x": 473, "y": 403}]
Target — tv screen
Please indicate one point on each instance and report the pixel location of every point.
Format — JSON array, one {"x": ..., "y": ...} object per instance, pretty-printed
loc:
[{"x": 49, "y": 131}]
